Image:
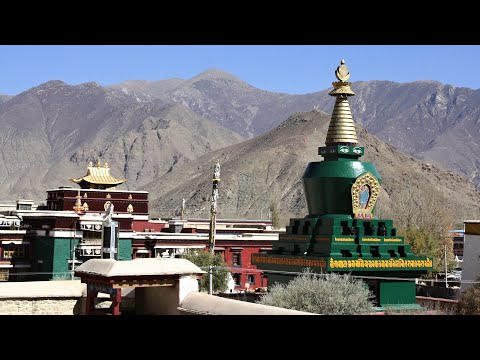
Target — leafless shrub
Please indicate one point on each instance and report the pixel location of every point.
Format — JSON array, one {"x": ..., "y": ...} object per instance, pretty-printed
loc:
[{"x": 332, "y": 294}]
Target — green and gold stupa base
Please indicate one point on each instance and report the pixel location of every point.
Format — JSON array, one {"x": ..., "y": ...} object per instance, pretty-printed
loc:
[{"x": 340, "y": 233}]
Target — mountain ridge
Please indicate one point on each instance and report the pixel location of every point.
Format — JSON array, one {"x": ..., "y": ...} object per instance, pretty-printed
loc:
[
  {"x": 421, "y": 117},
  {"x": 51, "y": 131},
  {"x": 70, "y": 125},
  {"x": 268, "y": 169}
]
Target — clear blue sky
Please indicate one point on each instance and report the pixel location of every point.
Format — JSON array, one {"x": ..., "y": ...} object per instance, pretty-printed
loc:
[{"x": 291, "y": 69}]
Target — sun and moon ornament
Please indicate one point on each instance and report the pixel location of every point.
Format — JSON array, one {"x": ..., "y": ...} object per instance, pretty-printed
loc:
[{"x": 342, "y": 72}]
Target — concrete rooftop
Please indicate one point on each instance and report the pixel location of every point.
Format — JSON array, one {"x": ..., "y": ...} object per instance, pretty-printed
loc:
[
  {"x": 138, "y": 267},
  {"x": 43, "y": 289}
]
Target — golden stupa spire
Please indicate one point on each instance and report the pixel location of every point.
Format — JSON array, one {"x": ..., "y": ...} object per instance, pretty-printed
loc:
[{"x": 341, "y": 130}]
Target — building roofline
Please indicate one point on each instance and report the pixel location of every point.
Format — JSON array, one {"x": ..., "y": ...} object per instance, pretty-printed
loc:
[
  {"x": 220, "y": 220},
  {"x": 58, "y": 213},
  {"x": 99, "y": 190}
]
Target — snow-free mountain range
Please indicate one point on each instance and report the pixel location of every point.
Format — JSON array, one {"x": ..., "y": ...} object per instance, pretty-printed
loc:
[{"x": 164, "y": 136}]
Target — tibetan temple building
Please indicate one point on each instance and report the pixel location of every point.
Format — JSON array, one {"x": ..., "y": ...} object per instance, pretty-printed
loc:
[
  {"x": 14, "y": 249},
  {"x": 340, "y": 233},
  {"x": 48, "y": 242},
  {"x": 69, "y": 231},
  {"x": 98, "y": 189}
]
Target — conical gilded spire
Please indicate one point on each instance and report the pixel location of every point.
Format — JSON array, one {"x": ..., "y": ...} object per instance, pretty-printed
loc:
[{"x": 341, "y": 130}]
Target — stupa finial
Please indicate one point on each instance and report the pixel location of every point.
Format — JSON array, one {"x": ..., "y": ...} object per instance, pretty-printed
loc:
[
  {"x": 342, "y": 72},
  {"x": 341, "y": 130}
]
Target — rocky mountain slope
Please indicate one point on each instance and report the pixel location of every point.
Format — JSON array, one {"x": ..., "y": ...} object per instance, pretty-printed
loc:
[
  {"x": 51, "y": 132},
  {"x": 436, "y": 122},
  {"x": 146, "y": 129},
  {"x": 268, "y": 169},
  {"x": 220, "y": 97},
  {"x": 4, "y": 98}
]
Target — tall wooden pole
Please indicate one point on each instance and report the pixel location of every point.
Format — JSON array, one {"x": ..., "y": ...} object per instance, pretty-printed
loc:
[{"x": 213, "y": 219}]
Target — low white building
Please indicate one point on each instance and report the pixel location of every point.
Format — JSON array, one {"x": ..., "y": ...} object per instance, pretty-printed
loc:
[{"x": 471, "y": 254}]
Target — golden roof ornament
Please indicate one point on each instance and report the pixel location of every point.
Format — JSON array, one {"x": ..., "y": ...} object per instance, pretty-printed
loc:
[
  {"x": 341, "y": 130},
  {"x": 98, "y": 177},
  {"x": 342, "y": 72},
  {"x": 98, "y": 163},
  {"x": 78, "y": 208}
]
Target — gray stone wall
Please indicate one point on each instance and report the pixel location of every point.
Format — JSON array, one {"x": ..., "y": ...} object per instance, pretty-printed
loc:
[{"x": 38, "y": 306}]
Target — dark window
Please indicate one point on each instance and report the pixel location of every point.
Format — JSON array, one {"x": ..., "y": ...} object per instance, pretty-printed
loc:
[
  {"x": 237, "y": 279},
  {"x": 91, "y": 235},
  {"x": 296, "y": 249},
  {"x": 382, "y": 230},
  {"x": 251, "y": 279},
  {"x": 236, "y": 259},
  {"x": 374, "y": 251},
  {"x": 346, "y": 253},
  {"x": 369, "y": 228},
  {"x": 15, "y": 251}
]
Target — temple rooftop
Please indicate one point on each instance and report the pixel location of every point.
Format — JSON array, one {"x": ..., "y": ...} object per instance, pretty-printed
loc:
[{"x": 98, "y": 177}]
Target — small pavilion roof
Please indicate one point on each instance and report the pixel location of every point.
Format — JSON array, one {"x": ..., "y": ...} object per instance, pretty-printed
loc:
[
  {"x": 99, "y": 175},
  {"x": 138, "y": 267}
]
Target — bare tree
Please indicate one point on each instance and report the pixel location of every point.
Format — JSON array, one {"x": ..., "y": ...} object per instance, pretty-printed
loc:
[{"x": 423, "y": 215}]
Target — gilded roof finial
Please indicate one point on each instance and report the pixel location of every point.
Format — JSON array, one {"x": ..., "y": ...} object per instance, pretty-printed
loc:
[
  {"x": 90, "y": 164},
  {"x": 78, "y": 208},
  {"x": 341, "y": 130},
  {"x": 98, "y": 163},
  {"x": 342, "y": 72},
  {"x": 106, "y": 165}
]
